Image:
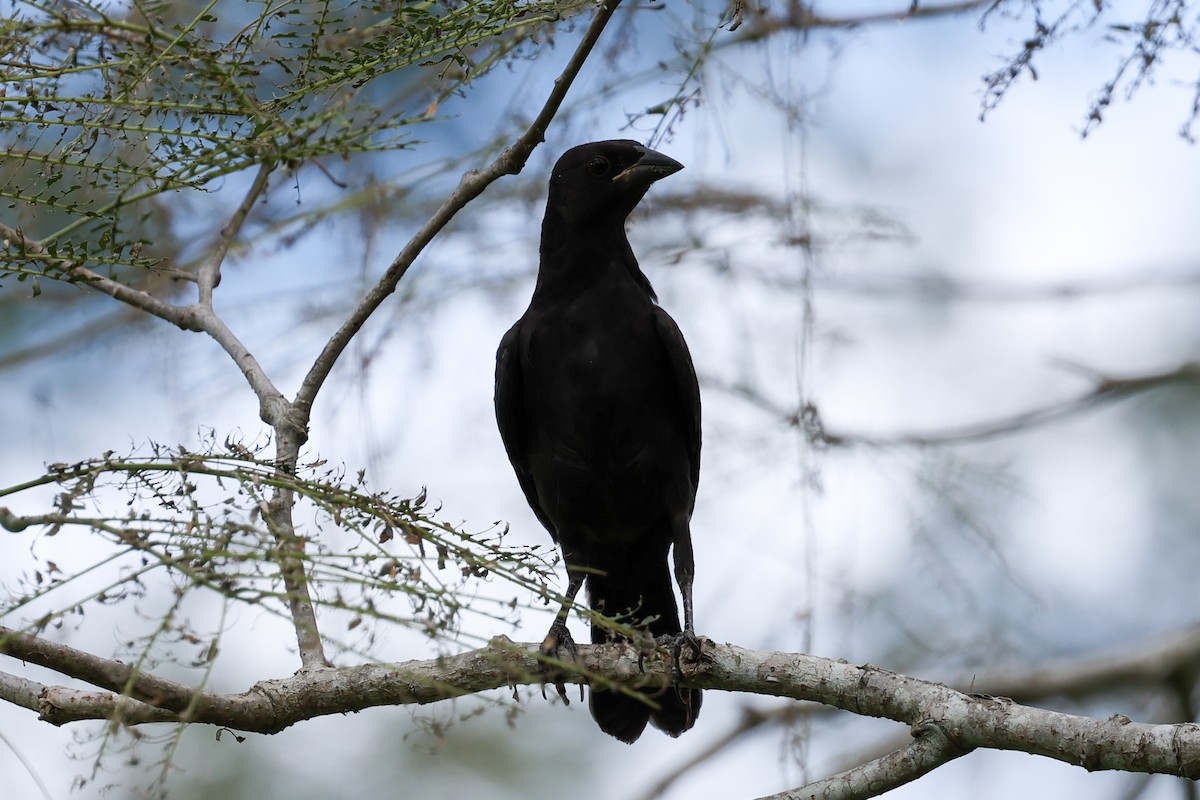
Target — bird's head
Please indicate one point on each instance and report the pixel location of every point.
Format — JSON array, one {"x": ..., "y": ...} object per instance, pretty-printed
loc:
[{"x": 605, "y": 180}]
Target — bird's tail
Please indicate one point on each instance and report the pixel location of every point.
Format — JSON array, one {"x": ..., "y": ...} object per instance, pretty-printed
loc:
[{"x": 634, "y": 598}]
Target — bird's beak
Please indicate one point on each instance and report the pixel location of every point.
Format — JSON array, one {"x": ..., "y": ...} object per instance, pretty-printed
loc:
[{"x": 652, "y": 166}]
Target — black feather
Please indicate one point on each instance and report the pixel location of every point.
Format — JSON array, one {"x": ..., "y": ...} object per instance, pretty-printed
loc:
[{"x": 599, "y": 409}]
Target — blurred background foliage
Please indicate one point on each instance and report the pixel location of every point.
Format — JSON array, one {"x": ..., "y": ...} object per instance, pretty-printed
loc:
[{"x": 862, "y": 270}]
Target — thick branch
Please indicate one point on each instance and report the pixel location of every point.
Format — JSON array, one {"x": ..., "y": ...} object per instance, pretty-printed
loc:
[
  {"x": 19, "y": 691},
  {"x": 103, "y": 673},
  {"x": 1165, "y": 660},
  {"x": 968, "y": 721}
]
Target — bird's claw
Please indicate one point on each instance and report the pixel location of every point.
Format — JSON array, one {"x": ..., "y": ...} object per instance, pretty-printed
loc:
[
  {"x": 559, "y": 645},
  {"x": 677, "y": 643},
  {"x": 646, "y": 645}
]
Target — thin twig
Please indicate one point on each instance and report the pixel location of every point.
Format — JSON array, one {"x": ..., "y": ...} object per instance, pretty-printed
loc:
[
  {"x": 37, "y": 779},
  {"x": 752, "y": 720},
  {"x": 1106, "y": 389},
  {"x": 177, "y": 316},
  {"x": 470, "y": 186},
  {"x": 199, "y": 318},
  {"x": 87, "y": 332},
  {"x": 936, "y": 287},
  {"x": 209, "y": 274},
  {"x": 800, "y": 18}
]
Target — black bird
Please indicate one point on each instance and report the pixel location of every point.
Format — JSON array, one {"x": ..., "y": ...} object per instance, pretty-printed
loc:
[{"x": 599, "y": 410}]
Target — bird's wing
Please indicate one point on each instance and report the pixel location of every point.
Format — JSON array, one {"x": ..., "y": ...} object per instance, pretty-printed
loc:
[
  {"x": 682, "y": 373},
  {"x": 510, "y": 418}
]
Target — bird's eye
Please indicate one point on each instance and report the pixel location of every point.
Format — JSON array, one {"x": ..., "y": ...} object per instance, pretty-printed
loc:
[{"x": 598, "y": 165}]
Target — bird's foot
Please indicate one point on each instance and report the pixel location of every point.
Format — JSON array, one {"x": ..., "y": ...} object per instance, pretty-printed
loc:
[
  {"x": 559, "y": 646},
  {"x": 677, "y": 643},
  {"x": 646, "y": 645}
]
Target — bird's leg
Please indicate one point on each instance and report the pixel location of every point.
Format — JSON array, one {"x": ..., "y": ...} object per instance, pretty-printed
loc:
[
  {"x": 558, "y": 638},
  {"x": 684, "y": 570},
  {"x": 559, "y": 635}
]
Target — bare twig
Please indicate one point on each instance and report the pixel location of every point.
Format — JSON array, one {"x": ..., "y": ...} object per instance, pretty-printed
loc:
[
  {"x": 752, "y": 719},
  {"x": 200, "y": 318},
  {"x": 799, "y": 17},
  {"x": 939, "y": 287},
  {"x": 1153, "y": 662},
  {"x": 37, "y": 779},
  {"x": 929, "y": 749},
  {"x": 87, "y": 332},
  {"x": 1106, "y": 389},
  {"x": 209, "y": 274},
  {"x": 472, "y": 184},
  {"x": 177, "y": 316}
]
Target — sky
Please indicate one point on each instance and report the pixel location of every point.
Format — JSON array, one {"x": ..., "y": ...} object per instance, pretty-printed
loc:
[{"x": 1051, "y": 542}]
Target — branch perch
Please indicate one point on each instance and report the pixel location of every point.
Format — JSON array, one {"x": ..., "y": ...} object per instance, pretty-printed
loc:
[
  {"x": 966, "y": 721},
  {"x": 1168, "y": 659}
]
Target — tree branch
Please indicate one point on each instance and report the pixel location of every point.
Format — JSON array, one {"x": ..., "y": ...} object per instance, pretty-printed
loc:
[
  {"x": 209, "y": 274},
  {"x": 929, "y": 749},
  {"x": 19, "y": 691},
  {"x": 967, "y": 721},
  {"x": 800, "y": 18},
  {"x": 1170, "y": 659},
  {"x": 176, "y": 315},
  {"x": 1153, "y": 662},
  {"x": 470, "y": 186},
  {"x": 198, "y": 318},
  {"x": 752, "y": 720},
  {"x": 289, "y": 554},
  {"x": 1106, "y": 389}
]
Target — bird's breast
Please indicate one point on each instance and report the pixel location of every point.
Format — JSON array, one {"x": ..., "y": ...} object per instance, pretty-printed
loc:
[
  {"x": 605, "y": 437},
  {"x": 598, "y": 393}
]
